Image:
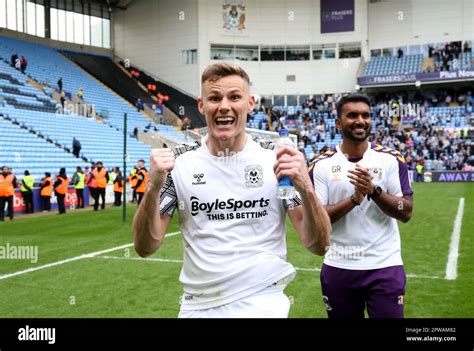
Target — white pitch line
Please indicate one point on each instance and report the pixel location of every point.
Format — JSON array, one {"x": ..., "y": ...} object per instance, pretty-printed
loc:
[
  {"x": 141, "y": 259},
  {"x": 297, "y": 268},
  {"x": 452, "y": 265},
  {"x": 422, "y": 276},
  {"x": 77, "y": 258}
]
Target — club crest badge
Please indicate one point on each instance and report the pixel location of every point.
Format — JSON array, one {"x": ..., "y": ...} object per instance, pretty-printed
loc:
[
  {"x": 253, "y": 176},
  {"x": 377, "y": 174}
]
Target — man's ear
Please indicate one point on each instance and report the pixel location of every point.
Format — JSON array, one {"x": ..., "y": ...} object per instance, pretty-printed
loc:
[
  {"x": 200, "y": 105},
  {"x": 251, "y": 103}
]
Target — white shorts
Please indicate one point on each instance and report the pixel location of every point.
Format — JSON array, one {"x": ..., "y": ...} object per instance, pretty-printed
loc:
[{"x": 270, "y": 302}]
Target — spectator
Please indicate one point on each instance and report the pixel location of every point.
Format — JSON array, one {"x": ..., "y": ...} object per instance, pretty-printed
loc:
[
  {"x": 60, "y": 84},
  {"x": 185, "y": 124},
  {"x": 13, "y": 60},
  {"x": 63, "y": 99},
  {"x": 135, "y": 133},
  {"x": 80, "y": 94},
  {"x": 23, "y": 64},
  {"x": 139, "y": 105},
  {"x": 76, "y": 147},
  {"x": 400, "y": 52},
  {"x": 467, "y": 46}
]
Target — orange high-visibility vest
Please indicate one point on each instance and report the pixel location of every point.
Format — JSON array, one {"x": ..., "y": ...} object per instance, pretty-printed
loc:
[
  {"x": 46, "y": 191},
  {"x": 6, "y": 185},
  {"x": 142, "y": 187},
  {"x": 62, "y": 188},
  {"x": 118, "y": 187},
  {"x": 101, "y": 180},
  {"x": 133, "y": 179}
]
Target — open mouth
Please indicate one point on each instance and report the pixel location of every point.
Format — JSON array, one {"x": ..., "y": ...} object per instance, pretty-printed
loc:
[{"x": 225, "y": 121}]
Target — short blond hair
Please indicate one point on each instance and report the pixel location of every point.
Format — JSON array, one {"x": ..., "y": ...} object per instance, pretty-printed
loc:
[{"x": 223, "y": 69}]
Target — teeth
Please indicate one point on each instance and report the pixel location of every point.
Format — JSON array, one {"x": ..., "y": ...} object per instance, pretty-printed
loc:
[{"x": 225, "y": 119}]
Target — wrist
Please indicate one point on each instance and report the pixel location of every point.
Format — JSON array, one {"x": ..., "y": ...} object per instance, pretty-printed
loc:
[
  {"x": 152, "y": 187},
  {"x": 376, "y": 192},
  {"x": 354, "y": 201},
  {"x": 306, "y": 191}
]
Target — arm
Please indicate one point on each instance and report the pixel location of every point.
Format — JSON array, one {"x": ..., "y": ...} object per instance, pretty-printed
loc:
[
  {"x": 26, "y": 186},
  {"x": 139, "y": 182},
  {"x": 343, "y": 207},
  {"x": 75, "y": 179},
  {"x": 394, "y": 206},
  {"x": 149, "y": 226},
  {"x": 310, "y": 220}
]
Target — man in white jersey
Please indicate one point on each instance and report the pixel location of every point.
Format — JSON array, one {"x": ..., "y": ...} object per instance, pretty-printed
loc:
[
  {"x": 233, "y": 225},
  {"x": 365, "y": 189}
]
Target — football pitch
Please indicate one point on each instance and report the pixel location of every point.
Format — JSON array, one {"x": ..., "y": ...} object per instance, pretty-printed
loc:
[{"x": 86, "y": 266}]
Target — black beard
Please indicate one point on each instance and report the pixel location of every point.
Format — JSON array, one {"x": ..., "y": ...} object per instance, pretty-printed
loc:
[{"x": 352, "y": 137}]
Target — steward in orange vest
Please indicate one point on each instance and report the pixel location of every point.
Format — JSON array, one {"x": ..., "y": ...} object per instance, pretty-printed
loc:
[
  {"x": 45, "y": 192},
  {"x": 8, "y": 184},
  {"x": 142, "y": 176},
  {"x": 101, "y": 177},
  {"x": 60, "y": 187},
  {"x": 133, "y": 179},
  {"x": 118, "y": 187}
]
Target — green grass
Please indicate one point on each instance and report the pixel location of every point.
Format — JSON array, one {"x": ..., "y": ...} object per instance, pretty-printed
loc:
[{"x": 101, "y": 287}]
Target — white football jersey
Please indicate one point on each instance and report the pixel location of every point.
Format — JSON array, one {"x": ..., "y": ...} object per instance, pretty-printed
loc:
[
  {"x": 365, "y": 238},
  {"x": 232, "y": 223}
]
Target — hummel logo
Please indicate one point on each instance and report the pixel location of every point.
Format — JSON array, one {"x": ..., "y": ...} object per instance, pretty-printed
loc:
[{"x": 198, "y": 178}]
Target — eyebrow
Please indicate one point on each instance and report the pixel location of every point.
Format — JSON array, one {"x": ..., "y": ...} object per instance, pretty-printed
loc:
[
  {"x": 359, "y": 112},
  {"x": 219, "y": 91}
]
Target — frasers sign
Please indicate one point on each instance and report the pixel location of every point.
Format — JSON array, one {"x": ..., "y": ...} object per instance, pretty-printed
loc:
[
  {"x": 448, "y": 177},
  {"x": 413, "y": 77}
]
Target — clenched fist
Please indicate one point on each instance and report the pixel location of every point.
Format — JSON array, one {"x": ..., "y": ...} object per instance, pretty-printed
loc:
[{"x": 161, "y": 162}]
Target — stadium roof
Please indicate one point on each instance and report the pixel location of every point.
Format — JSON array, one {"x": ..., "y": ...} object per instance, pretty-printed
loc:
[{"x": 120, "y": 4}]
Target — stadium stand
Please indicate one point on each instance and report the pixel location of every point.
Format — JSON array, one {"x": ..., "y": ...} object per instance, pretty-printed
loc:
[
  {"x": 105, "y": 70},
  {"x": 41, "y": 116},
  {"x": 387, "y": 65},
  {"x": 181, "y": 103},
  {"x": 46, "y": 66},
  {"x": 22, "y": 149}
]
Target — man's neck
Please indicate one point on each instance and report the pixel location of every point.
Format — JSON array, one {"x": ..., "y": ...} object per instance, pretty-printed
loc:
[
  {"x": 228, "y": 147},
  {"x": 354, "y": 149}
]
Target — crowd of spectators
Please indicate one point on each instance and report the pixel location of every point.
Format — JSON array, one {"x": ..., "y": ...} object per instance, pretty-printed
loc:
[
  {"x": 446, "y": 55},
  {"x": 402, "y": 122}
]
